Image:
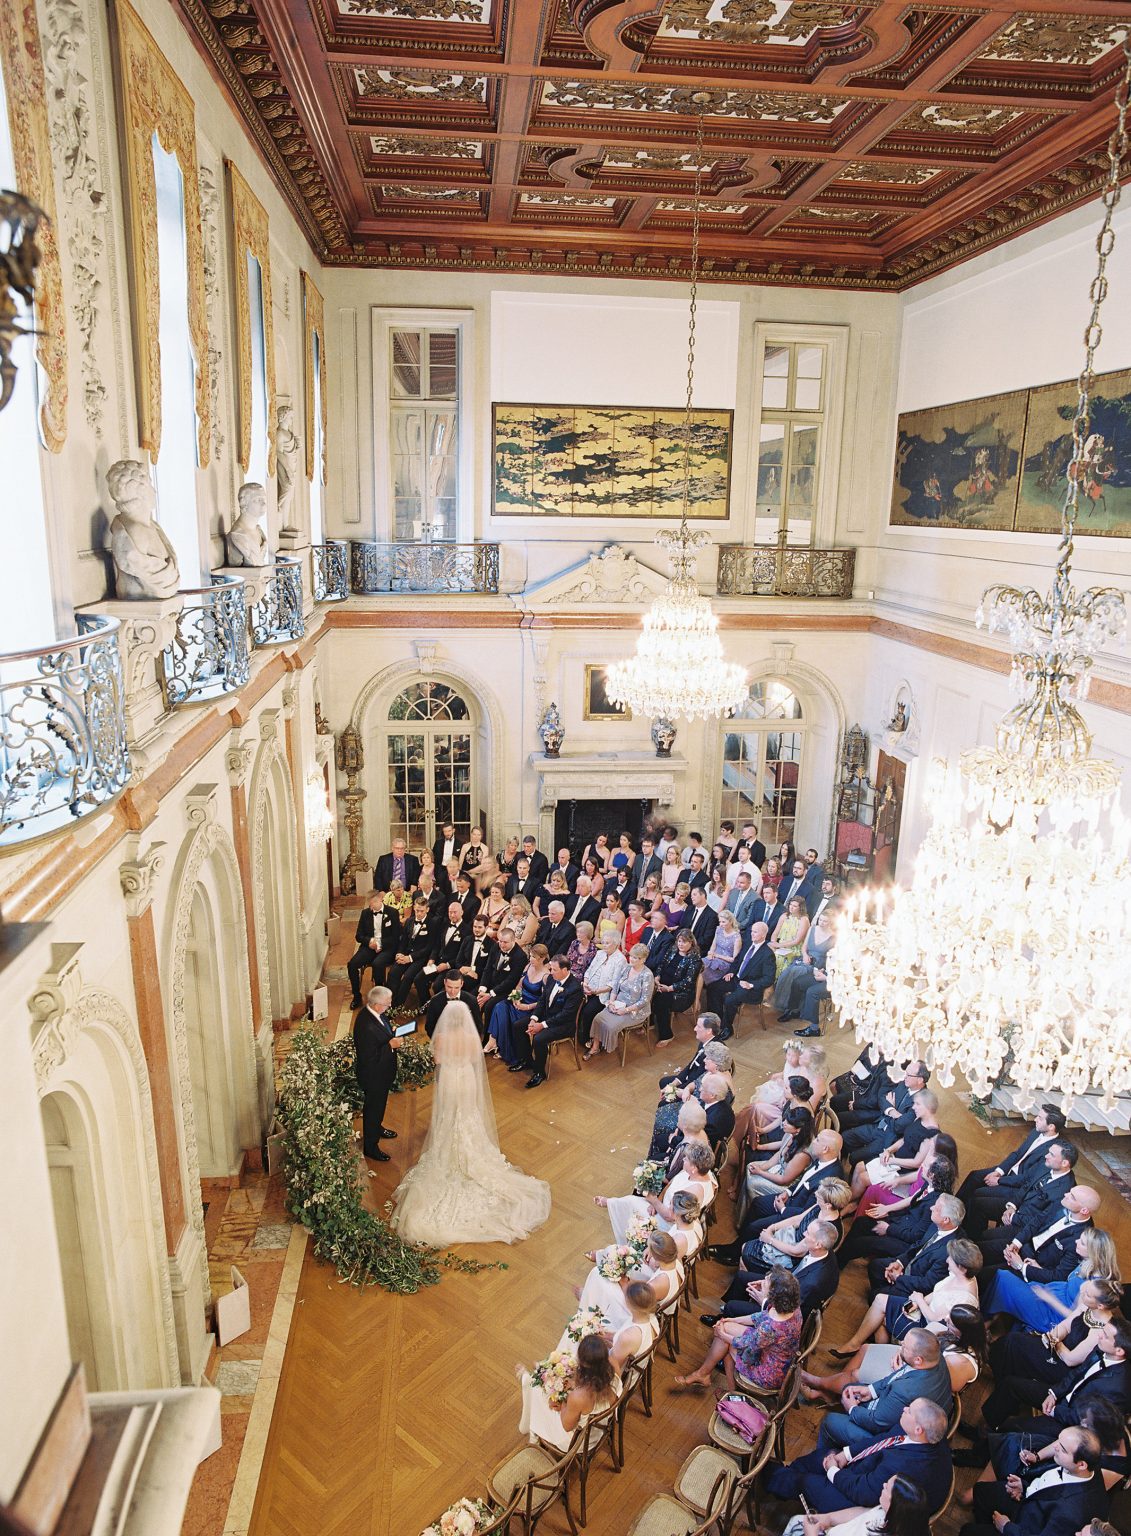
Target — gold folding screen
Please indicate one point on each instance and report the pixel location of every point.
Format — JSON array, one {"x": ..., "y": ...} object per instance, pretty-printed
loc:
[
  {"x": 314, "y": 323},
  {"x": 251, "y": 236}
]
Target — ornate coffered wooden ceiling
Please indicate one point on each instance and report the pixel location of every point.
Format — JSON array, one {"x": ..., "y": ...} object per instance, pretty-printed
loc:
[{"x": 861, "y": 145}]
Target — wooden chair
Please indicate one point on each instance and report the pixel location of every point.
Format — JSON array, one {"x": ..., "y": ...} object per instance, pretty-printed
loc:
[
  {"x": 568, "y": 1040},
  {"x": 636, "y": 1378},
  {"x": 775, "y": 1408},
  {"x": 669, "y": 1322},
  {"x": 664, "y": 1515},
  {"x": 936, "y": 1520},
  {"x": 954, "y": 1418},
  {"x": 501, "y": 1522},
  {"x": 588, "y": 1440},
  {"x": 810, "y": 1335},
  {"x": 704, "y": 1465},
  {"x": 533, "y": 1478},
  {"x": 645, "y": 1025}
]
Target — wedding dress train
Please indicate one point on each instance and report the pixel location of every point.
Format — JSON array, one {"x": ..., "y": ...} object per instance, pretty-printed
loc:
[{"x": 463, "y": 1190}]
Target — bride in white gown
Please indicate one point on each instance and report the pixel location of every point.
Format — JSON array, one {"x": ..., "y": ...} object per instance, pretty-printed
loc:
[{"x": 462, "y": 1189}]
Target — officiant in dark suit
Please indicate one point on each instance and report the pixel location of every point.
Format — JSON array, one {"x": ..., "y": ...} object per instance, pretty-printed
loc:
[{"x": 375, "y": 1063}]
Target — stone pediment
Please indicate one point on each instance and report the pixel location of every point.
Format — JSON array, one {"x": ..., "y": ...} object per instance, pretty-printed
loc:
[{"x": 614, "y": 577}]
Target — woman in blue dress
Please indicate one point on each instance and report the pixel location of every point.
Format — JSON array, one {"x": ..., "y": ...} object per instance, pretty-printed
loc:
[
  {"x": 1028, "y": 1304},
  {"x": 505, "y": 1014}
]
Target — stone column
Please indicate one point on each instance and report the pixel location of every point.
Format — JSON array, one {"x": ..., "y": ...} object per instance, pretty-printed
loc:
[{"x": 238, "y": 760}]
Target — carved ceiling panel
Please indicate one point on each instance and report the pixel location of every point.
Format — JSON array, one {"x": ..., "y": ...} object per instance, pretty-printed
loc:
[{"x": 845, "y": 143}]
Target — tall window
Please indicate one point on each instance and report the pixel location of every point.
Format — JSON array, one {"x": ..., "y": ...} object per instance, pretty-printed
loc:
[
  {"x": 424, "y": 409},
  {"x": 26, "y": 615},
  {"x": 175, "y": 470},
  {"x": 317, "y": 483},
  {"x": 762, "y": 761},
  {"x": 429, "y": 760},
  {"x": 257, "y": 461},
  {"x": 794, "y": 390}
]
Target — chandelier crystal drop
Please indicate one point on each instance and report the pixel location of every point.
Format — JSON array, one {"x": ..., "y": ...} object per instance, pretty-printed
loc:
[
  {"x": 1009, "y": 957},
  {"x": 679, "y": 668}
]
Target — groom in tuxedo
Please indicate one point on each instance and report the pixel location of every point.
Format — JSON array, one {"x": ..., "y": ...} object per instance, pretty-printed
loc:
[
  {"x": 376, "y": 1068},
  {"x": 554, "y": 1017}
]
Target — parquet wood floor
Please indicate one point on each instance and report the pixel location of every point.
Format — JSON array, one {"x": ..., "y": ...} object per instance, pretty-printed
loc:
[{"x": 391, "y": 1407}]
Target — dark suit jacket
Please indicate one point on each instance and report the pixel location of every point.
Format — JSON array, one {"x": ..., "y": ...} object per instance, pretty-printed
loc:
[
  {"x": 529, "y": 888},
  {"x": 818, "y": 1283},
  {"x": 760, "y": 966},
  {"x": 626, "y": 892},
  {"x": 486, "y": 951},
  {"x": 1073, "y": 1393},
  {"x": 419, "y": 946},
  {"x": 757, "y": 851},
  {"x": 445, "y": 951},
  {"x": 437, "y": 1004},
  {"x": 375, "y": 1061},
  {"x": 390, "y": 929},
  {"x": 689, "y": 1074},
  {"x": 705, "y": 928},
  {"x": 539, "y": 865},
  {"x": 720, "y": 1122},
  {"x": 557, "y": 938},
  {"x": 383, "y": 873},
  {"x": 501, "y": 972},
  {"x": 801, "y": 1191},
  {"x": 588, "y": 913},
  {"x": 1026, "y": 1162},
  {"x": 571, "y": 872},
  {"x": 880, "y": 1414},
  {"x": 928, "y": 1467},
  {"x": 1056, "y": 1258},
  {"x": 642, "y": 868},
  {"x": 770, "y": 913},
  {"x": 926, "y": 1269},
  {"x": 1039, "y": 1206},
  {"x": 910, "y": 1226},
  {"x": 786, "y": 890},
  {"x": 698, "y": 878},
  {"x": 559, "y": 1015},
  {"x": 1060, "y": 1509},
  {"x": 438, "y": 851},
  {"x": 659, "y": 946}
]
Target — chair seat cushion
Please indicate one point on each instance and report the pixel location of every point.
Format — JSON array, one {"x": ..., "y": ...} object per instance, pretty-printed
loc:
[
  {"x": 697, "y": 1476},
  {"x": 664, "y": 1516}
]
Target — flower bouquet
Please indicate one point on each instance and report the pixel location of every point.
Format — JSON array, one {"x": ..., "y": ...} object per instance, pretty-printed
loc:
[
  {"x": 648, "y": 1177},
  {"x": 585, "y": 1320},
  {"x": 415, "y": 1065},
  {"x": 463, "y": 1518},
  {"x": 637, "y": 1233},
  {"x": 616, "y": 1261},
  {"x": 555, "y": 1376},
  {"x": 516, "y": 995},
  {"x": 669, "y": 1093}
]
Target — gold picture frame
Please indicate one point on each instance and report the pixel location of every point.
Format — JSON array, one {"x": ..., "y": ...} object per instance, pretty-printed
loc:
[{"x": 596, "y": 704}]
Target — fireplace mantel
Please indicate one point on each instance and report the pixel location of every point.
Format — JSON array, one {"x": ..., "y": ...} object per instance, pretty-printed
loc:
[{"x": 605, "y": 776}]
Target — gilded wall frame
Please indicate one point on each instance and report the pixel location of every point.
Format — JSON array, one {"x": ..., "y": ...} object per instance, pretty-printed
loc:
[
  {"x": 21, "y": 60},
  {"x": 155, "y": 102},
  {"x": 314, "y": 324},
  {"x": 595, "y": 702},
  {"x": 252, "y": 235}
]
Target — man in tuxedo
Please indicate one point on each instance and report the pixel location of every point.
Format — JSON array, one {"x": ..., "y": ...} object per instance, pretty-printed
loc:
[
  {"x": 522, "y": 882},
  {"x": 375, "y": 1063},
  {"x": 743, "y": 902},
  {"x": 553, "y": 1018},
  {"x": 707, "y": 1026},
  {"x": 700, "y": 920},
  {"x": 1054, "y": 1498},
  {"x": 697, "y": 871},
  {"x": 915, "y": 1448},
  {"x": 446, "y": 949},
  {"x": 397, "y": 865},
  {"x": 377, "y": 934},
  {"x": 1050, "y": 1253},
  {"x": 987, "y": 1191},
  {"x": 468, "y": 897},
  {"x": 500, "y": 973},
  {"x": 889, "y": 1237},
  {"x": 623, "y": 887},
  {"x": 582, "y": 907},
  {"x": 797, "y": 883},
  {"x": 539, "y": 863},
  {"x": 748, "y": 981},
  {"x": 877, "y": 1409},
  {"x": 922, "y": 1264},
  {"x": 554, "y": 931},
  {"x": 446, "y": 846},
  {"x": 820, "y": 898},
  {"x": 453, "y": 988},
  {"x": 645, "y": 863},
  {"x": 768, "y": 909},
  {"x": 414, "y": 951},
  {"x": 1102, "y": 1373},
  {"x": 1035, "y": 1198},
  {"x": 566, "y": 868},
  {"x": 816, "y": 1273},
  {"x": 894, "y": 1104},
  {"x": 903, "y": 1136},
  {"x": 743, "y": 864},
  {"x": 749, "y": 840},
  {"x": 473, "y": 957},
  {"x": 657, "y": 939}
]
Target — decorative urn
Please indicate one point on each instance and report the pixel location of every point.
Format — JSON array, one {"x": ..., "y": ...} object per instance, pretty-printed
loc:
[
  {"x": 552, "y": 731},
  {"x": 663, "y": 736}
]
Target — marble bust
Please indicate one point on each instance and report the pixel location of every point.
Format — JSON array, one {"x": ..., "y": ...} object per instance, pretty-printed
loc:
[
  {"x": 145, "y": 562},
  {"x": 246, "y": 543}
]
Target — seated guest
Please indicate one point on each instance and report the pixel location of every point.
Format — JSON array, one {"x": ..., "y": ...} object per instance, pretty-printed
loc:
[
  {"x": 566, "y": 868},
  {"x": 715, "y": 1095},
  {"x": 894, "y": 1101},
  {"x": 445, "y": 952},
  {"x": 992, "y": 1187},
  {"x": 463, "y": 891},
  {"x": 495, "y": 907},
  {"x": 742, "y": 900},
  {"x": 783, "y": 1241},
  {"x": 630, "y": 1002},
  {"x": 671, "y": 871},
  {"x": 398, "y": 901},
  {"x": 690, "y": 1128},
  {"x": 622, "y": 887},
  {"x": 500, "y": 974},
  {"x": 523, "y": 883},
  {"x": 612, "y": 919},
  {"x": 506, "y": 1016},
  {"x": 748, "y": 981},
  {"x": 414, "y": 951},
  {"x": 904, "y": 1155},
  {"x": 538, "y": 862},
  {"x": 867, "y": 1135},
  {"x": 508, "y": 859},
  {"x": 798, "y": 882},
  {"x": 399, "y": 864},
  {"x": 742, "y": 866},
  {"x": 1048, "y": 1254},
  {"x": 582, "y": 952},
  {"x": 676, "y": 906},
  {"x": 700, "y": 922},
  {"x": 914, "y": 1446},
  {"x": 1102, "y": 1416},
  {"x": 521, "y": 922},
  {"x": 695, "y": 1179},
  {"x": 1103, "y": 1373},
  {"x": 475, "y": 856},
  {"x": 623, "y": 854},
  {"x": 762, "y": 1346},
  {"x": 471, "y": 962},
  {"x": 595, "y": 1386},
  {"x": 1040, "y": 1307},
  {"x": 454, "y": 988},
  {"x": 698, "y": 877},
  {"x": 594, "y": 872},
  {"x": 1056, "y": 1502},
  {"x": 597, "y": 984},
  {"x": 554, "y": 931},
  {"x": 555, "y": 889},
  {"x": 657, "y": 939},
  {"x": 717, "y": 891},
  {"x": 892, "y": 1314},
  {"x": 771, "y": 1175},
  {"x": 821, "y": 898},
  {"x": 824, "y": 1152},
  {"x": 876, "y": 1409},
  {"x": 645, "y": 864},
  {"x": 706, "y": 1029},
  {"x": 963, "y": 1348},
  {"x": 661, "y": 1268},
  {"x": 676, "y": 976},
  {"x": 895, "y": 1193},
  {"x": 723, "y": 950},
  {"x": 715, "y": 1059},
  {"x": 901, "y": 1511},
  {"x": 376, "y": 937},
  {"x": 768, "y": 909},
  {"x": 1041, "y": 1201},
  {"x": 789, "y": 934},
  {"x": 816, "y": 1273},
  {"x": 554, "y": 1017},
  {"x": 580, "y": 907},
  {"x": 599, "y": 851},
  {"x": 882, "y": 1239}
]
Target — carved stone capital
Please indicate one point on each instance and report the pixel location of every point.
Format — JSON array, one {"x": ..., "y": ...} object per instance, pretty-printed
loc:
[
  {"x": 50, "y": 1005},
  {"x": 290, "y": 702},
  {"x": 200, "y": 805},
  {"x": 269, "y": 723},
  {"x": 138, "y": 876},
  {"x": 238, "y": 760}
]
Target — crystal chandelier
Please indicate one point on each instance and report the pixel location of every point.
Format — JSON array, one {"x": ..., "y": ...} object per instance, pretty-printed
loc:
[
  {"x": 679, "y": 667},
  {"x": 1009, "y": 951}
]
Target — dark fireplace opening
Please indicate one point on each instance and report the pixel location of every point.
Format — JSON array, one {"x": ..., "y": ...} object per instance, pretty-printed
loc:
[{"x": 577, "y": 822}]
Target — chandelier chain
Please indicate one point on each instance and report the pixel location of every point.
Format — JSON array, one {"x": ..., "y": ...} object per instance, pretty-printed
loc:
[{"x": 696, "y": 214}]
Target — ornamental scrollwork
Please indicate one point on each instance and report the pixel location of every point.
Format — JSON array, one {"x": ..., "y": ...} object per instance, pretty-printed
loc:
[
  {"x": 252, "y": 236},
  {"x": 19, "y": 262},
  {"x": 617, "y": 96},
  {"x": 314, "y": 323},
  {"x": 415, "y": 84},
  {"x": 753, "y": 21},
  {"x": 1033, "y": 39}
]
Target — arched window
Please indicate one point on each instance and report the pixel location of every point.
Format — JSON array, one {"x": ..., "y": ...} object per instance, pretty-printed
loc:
[
  {"x": 429, "y": 759},
  {"x": 762, "y": 761}
]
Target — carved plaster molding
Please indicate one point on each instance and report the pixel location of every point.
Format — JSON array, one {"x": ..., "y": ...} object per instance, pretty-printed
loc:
[
  {"x": 155, "y": 102},
  {"x": 290, "y": 701},
  {"x": 613, "y": 576},
  {"x": 314, "y": 324},
  {"x": 251, "y": 235},
  {"x": 210, "y": 213},
  {"x": 138, "y": 877},
  {"x": 200, "y": 806},
  {"x": 67, "y": 63},
  {"x": 238, "y": 760},
  {"x": 271, "y": 765}
]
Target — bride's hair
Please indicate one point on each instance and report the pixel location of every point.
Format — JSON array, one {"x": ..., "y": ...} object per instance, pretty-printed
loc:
[
  {"x": 594, "y": 1368},
  {"x": 639, "y": 1294}
]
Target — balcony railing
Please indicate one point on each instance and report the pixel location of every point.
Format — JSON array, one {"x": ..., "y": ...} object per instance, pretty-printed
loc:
[
  {"x": 331, "y": 571},
  {"x": 209, "y": 654},
  {"x": 63, "y": 751},
  {"x": 277, "y": 616},
  {"x": 772, "y": 570},
  {"x": 435, "y": 567}
]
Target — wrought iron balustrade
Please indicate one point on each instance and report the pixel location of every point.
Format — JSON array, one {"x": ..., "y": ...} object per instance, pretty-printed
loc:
[
  {"x": 780, "y": 570},
  {"x": 426, "y": 567},
  {"x": 63, "y": 751},
  {"x": 209, "y": 654},
  {"x": 277, "y": 616},
  {"x": 331, "y": 571}
]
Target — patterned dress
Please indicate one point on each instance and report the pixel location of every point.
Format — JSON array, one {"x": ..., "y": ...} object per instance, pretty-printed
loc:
[{"x": 765, "y": 1352}]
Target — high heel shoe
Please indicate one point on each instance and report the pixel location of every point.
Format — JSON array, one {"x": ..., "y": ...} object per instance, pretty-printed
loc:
[{"x": 841, "y": 1354}]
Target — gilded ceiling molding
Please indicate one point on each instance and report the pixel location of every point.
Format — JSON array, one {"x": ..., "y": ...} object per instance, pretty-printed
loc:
[
  {"x": 314, "y": 324},
  {"x": 22, "y": 62},
  {"x": 251, "y": 235},
  {"x": 155, "y": 102}
]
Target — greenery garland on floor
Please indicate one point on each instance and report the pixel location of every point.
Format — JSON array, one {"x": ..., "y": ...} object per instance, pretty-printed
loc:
[{"x": 325, "y": 1175}]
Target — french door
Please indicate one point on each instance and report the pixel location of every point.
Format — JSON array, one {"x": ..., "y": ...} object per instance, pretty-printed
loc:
[{"x": 429, "y": 755}]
